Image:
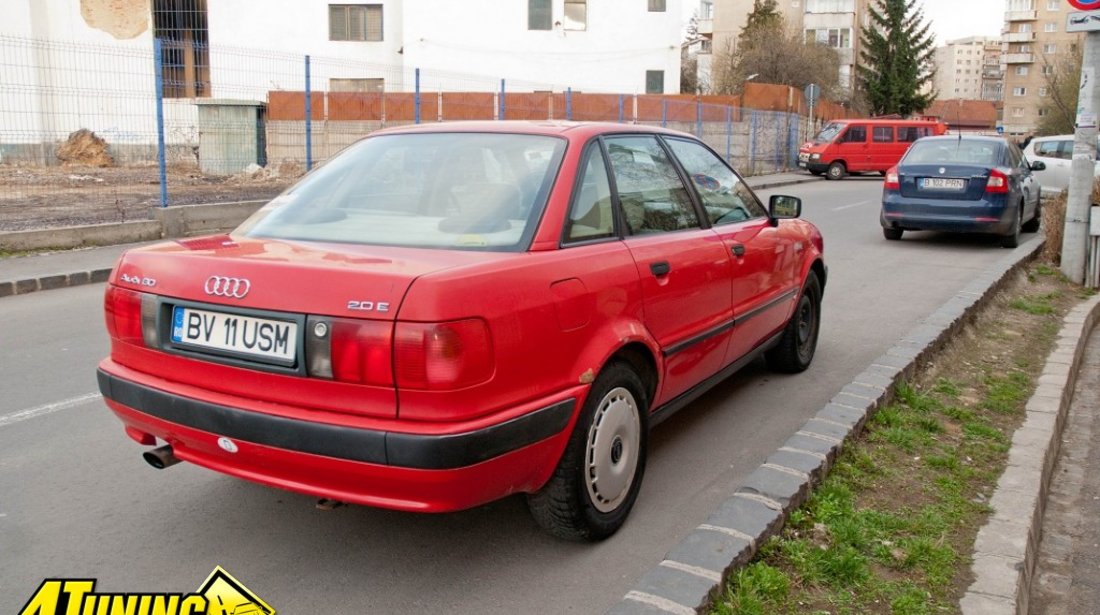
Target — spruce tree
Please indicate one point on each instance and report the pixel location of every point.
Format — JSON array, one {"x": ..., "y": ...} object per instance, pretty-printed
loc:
[{"x": 896, "y": 59}]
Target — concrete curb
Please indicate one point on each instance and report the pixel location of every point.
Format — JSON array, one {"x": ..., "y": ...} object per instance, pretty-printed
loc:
[
  {"x": 1008, "y": 544},
  {"x": 50, "y": 282},
  {"x": 691, "y": 576}
]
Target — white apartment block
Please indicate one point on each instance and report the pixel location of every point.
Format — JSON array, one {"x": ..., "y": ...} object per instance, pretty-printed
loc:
[
  {"x": 1034, "y": 37},
  {"x": 963, "y": 70}
]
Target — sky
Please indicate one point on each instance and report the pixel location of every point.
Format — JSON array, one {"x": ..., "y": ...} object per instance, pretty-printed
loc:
[{"x": 952, "y": 19}]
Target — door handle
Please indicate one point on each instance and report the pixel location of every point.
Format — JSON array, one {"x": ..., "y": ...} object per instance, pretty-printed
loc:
[
  {"x": 738, "y": 249},
  {"x": 660, "y": 268}
]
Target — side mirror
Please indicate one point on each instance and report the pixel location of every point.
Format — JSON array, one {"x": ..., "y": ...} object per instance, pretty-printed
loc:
[
  {"x": 781, "y": 206},
  {"x": 1038, "y": 165}
]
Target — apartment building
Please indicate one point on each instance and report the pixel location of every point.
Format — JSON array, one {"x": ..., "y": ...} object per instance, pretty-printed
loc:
[
  {"x": 835, "y": 23},
  {"x": 963, "y": 71},
  {"x": 1034, "y": 36}
]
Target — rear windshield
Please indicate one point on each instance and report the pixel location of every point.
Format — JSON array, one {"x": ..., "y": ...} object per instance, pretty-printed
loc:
[
  {"x": 477, "y": 191},
  {"x": 828, "y": 133},
  {"x": 939, "y": 151}
]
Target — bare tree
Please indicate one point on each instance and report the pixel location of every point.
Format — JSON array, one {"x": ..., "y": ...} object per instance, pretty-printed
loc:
[
  {"x": 776, "y": 56},
  {"x": 1062, "y": 75}
]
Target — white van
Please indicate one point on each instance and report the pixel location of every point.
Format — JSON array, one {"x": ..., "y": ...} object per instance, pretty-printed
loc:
[{"x": 1057, "y": 152}]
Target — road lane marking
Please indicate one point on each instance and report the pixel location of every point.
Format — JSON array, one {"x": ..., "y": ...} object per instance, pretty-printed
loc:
[
  {"x": 30, "y": 413},
  {"x": 851, "y": 205}
]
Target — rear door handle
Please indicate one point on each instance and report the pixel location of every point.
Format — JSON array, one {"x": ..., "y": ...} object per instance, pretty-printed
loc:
[
  {"x": 660, "y": 268},
  {"x": 738, "y": 249}
]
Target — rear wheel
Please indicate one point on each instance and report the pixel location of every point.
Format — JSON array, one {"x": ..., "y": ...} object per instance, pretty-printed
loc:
[
  {"x": 796, "y": 348},
  {"x": 598, "y": 477},
  {"x": 837, "y": 170},
  {"x": 1032, "y": 225},
  {"x": 892, "y": 233},
  {"x": 1012, "y": 239}
]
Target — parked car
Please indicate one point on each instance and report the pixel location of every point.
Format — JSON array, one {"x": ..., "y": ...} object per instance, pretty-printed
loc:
[
  {"x": 863, "y": 146},
  {"x": 447, "y": 314},
  {"x": 1056, "y": 152},
  {"x": 962, "y": 183}
]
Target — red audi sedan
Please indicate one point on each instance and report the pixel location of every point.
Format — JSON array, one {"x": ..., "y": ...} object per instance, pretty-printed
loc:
[{"x": 444, "y": 315}]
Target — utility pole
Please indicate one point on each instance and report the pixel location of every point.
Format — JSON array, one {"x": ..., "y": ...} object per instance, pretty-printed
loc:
[{"x": 1075, "y": 236}]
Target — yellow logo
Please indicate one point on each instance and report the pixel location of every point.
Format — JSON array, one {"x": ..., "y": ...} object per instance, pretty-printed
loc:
[{"x": 220, "y": 594}]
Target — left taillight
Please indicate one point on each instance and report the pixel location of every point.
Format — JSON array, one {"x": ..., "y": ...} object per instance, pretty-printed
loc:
[
  {"x": 131, "y": 316},
  {"x": 892, "y": 182}
]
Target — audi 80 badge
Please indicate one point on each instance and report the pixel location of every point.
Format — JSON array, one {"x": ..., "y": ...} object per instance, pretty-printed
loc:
[{"x": 444, "y": 315}]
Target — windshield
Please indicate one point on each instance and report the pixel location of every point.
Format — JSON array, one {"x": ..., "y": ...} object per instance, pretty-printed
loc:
[
  {"x": 478, "y": 191},
  {"x": 828, "y": 133}
]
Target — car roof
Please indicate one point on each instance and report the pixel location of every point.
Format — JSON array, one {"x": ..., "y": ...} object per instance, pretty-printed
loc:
[{"x": 557, "y": 128}]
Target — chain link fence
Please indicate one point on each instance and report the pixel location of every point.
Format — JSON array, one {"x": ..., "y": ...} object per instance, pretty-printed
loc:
[{"x": 105, "y": 133}]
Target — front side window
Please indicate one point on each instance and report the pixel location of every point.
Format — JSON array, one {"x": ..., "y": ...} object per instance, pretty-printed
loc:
[
  {"x": 355, "y": 22},
  {"x": 855, "y": 134},
  {"x": 651, "y": 195},
  {"x": 590, "y": 215},
  {"x": 471, "y": 191},
  {"x": 725, "y": 197},
  {"x": 539, "y": 16}
]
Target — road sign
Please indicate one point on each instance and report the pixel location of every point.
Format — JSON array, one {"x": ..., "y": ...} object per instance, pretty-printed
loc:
[
  {"x": 1085, "y": 5},
  {"x": 1000, "y": 130},
  {"x": 1088, "y": 21},
  {"x": 813, "y": 91}
]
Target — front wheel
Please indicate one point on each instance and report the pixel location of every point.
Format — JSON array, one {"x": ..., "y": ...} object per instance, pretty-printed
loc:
[
  {"x": 600, "y": 473},
  {"x": 798, "y": 343},
  {"x": 836, "y": 170}
]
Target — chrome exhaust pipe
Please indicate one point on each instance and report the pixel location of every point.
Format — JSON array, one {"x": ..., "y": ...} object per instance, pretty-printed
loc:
[{"x": 161, "y": 457}]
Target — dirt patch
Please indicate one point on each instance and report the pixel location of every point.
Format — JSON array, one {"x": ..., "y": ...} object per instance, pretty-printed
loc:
[
  {"x": 83, "y": 147},
  {"x": 37, "y": 197}
]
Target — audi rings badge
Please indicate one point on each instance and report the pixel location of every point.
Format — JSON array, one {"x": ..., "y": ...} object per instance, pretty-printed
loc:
[{"x": 222, "y": 286}]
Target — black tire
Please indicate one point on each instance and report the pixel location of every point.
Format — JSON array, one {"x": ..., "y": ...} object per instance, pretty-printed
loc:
[
  {"x": 1032, "y": 225},
  {"x": 891, "y": 233},
  {"x": 817, "y": 173},
  {"x": 1012, "y": 239},
  {"x": 609, "y": 439},
  {"x": 796, "y": 348},
  {"x": 836, "y": 170}
]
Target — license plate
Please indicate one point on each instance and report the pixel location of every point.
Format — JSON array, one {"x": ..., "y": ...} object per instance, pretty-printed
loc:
[
  {"x": 235, "y": 334},
  {"x": 942, "y": 183}
]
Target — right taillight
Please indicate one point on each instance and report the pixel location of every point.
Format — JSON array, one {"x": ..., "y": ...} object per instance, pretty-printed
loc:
[
  {"x": 443, "y": 356},
  {"x": 998, "y": 182},
  {"x": 891, "y": 182},
  {"x": 353, "y": 351}
]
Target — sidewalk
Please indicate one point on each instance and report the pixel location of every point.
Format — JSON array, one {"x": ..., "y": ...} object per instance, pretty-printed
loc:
[{"x": 25, "y": 274}]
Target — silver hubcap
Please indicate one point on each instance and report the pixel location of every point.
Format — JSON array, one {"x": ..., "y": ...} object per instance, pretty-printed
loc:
[{"x": 611, "y": 457}]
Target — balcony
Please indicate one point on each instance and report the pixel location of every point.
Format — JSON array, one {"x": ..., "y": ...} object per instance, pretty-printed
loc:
[
  {"x": 705, "y": 26},
  {"x": 1018, "y": 58},
  {"x": 992, "y": 74},
  {"x": 1018, "y": 37},
  {"x": 1021, "y": 15}
]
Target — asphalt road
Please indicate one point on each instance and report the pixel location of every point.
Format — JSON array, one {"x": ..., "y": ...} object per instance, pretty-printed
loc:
[{"x": 76, "y": 500}]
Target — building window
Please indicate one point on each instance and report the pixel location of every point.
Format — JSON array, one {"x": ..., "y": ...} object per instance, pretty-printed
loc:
[
  {"x": 837, "y": 38},
  {"x": 372, "y": 85},
  {"x": 182, "y": 29},
  {"x": 355, "y": 22},
  {"x": 576, "y": 14},
  {"x": 655, "y": 82},
  {"x": 1048, "y": 69},
  {"x": 706, "y": 46},
  {"x": 1017, "y": 112},
  {"x": 539, "y": 16},
  {"x": 1042, "y": 92},
  {"x": 1019, "y": 91},
  {"x": 1053, "y": 5},
  {"x": 1050, "y": 27},
  {"x": 1043, "y": 111},
  {"x": 1021, "y": 70},
  {"x": 656, "y": 6},
  {"x": 1050, "y": 48}
]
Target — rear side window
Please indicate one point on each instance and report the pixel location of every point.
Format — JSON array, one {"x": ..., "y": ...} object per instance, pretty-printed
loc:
[
  {"x": 590, "y": 214},
  {"x": 653, "y": 198},
  {"x": 855, "y": 134},
  {"x": 883, "y": 134},
  {"x": 725, "y": 197}
]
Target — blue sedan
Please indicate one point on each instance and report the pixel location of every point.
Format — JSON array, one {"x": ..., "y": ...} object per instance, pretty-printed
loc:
[{"x": 962, "y": 183}]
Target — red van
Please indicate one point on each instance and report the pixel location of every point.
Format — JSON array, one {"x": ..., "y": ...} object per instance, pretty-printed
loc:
[{"x": 863, "y": 146}]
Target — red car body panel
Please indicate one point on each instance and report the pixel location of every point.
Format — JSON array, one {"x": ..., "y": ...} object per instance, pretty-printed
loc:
[{"x": 555, "y": 314}]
